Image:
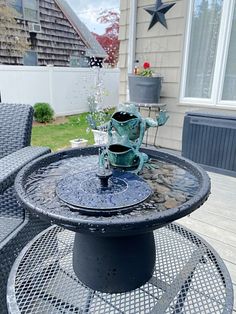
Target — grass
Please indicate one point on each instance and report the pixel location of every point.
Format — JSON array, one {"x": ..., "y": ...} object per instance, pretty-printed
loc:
[{"x": 57, "y": 136}]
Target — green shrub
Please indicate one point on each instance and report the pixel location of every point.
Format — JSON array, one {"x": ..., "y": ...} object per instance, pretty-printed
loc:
[{"x": 43, "y": 112}]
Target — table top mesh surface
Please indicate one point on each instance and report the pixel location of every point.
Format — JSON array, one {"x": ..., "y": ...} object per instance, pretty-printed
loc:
[{"x": 188, "y": 278}]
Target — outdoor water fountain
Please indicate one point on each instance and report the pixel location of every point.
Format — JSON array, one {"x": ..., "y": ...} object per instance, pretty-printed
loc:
[
  {"x": 114, "y": 211},
  {"x": 113, "y": 198}
]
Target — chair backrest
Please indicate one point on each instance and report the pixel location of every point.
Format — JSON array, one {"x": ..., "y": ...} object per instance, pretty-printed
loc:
[{"x": 15, "y": 127}]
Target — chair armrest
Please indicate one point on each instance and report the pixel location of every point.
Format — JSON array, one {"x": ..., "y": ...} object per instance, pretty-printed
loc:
[{"x": 12, "y": 163}]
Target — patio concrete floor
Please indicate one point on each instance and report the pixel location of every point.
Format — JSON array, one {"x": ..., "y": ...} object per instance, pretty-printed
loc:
[{"x": 215, "y": 221}]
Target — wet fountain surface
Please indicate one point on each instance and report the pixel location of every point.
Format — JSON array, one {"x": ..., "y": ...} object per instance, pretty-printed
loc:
[
  {"x": 113, "y": 224},
  {"x": 83, "y": 191},
  {"x": 173, "y": 181}
]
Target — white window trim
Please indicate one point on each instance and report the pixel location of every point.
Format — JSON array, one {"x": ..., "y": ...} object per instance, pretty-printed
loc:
[
  {"x": 132, "y": 35},
  {"x": 221, "y": 60},
  {"x": 188, "y": 27},
  {"x": 227, "y": 28}
]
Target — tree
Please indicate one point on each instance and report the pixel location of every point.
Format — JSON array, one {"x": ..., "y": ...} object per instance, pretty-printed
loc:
[
  {"x": 112, "y": 18},
  {"x": 12, "y": 36},
  {"x": 109, "y": 40}
]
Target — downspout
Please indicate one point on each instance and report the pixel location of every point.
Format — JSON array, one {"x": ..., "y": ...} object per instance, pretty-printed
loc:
[{"x": 132, "y": 38}]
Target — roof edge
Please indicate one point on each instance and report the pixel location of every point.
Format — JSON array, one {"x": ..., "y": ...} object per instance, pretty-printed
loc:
[{"x": 90, "y": 41}]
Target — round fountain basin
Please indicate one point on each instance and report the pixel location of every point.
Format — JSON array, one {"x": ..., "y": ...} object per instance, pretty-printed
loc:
[{"x": 179, "y": 187}]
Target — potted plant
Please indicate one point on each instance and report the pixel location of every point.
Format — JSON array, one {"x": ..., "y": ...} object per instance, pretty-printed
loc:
[
  {"x": 97, "y": 121},
  {"x": 144, "y": 86},
  {"x": 78, "y": 142}
]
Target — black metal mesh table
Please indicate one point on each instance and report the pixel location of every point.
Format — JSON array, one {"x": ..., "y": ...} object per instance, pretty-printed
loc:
[{"x": 189, "y": 277}]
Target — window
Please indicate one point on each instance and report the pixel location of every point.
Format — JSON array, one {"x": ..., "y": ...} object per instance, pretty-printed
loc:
[
  {"x": 229, "y": 88},
  {"x": 79, "y": 61},
  {"x": 74, "y": 61},
  {"x": 31, "y": 10},
  {"x": 209, "y": 70},
  {"x": 30, "y": 58},
  {"x": 27, "y": 9}
]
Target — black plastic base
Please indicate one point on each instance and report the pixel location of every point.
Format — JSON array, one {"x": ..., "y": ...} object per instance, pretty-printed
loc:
[{"x": 114, "y": 264}]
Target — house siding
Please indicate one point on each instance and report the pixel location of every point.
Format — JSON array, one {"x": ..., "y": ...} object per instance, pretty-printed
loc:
[
  {"x": 57, "y": 41},
  {"x": 163, "y": 48}
]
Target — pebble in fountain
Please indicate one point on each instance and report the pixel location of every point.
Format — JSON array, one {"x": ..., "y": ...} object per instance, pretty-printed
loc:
[{"x": 126, "y": 131}]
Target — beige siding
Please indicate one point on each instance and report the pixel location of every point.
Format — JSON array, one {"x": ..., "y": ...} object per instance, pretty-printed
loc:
[{"x": 163, "y": 48}]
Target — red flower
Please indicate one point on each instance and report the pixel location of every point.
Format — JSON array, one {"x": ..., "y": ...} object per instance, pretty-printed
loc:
[{"x": 146, "y": 65}]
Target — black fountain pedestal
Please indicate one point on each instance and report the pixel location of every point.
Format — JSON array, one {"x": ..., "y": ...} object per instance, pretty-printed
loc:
[
  {"x": 114, "y": 248},
  {"x": 110, "y": 264},
  {"x": 114, "y": 264}
]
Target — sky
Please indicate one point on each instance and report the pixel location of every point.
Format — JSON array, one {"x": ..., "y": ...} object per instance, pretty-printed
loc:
[{"x": 88, "y": 11}]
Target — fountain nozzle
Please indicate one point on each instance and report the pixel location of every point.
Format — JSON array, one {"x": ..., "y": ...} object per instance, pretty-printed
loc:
[{"x": 104, "y": 175}]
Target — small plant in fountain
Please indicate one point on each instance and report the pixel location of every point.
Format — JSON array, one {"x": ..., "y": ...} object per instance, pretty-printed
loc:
[
  {"x": 43, "y": 112},
  {"x": 98, "y": 120},
  {"x": 99, "y": 113}
]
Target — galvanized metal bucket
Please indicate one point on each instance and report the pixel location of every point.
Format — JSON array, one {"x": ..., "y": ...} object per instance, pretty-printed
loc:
[{"x": 144, "y": 89}]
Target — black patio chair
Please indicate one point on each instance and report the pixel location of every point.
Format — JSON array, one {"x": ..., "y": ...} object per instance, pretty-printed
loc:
[{"x": 17, "y": 226}]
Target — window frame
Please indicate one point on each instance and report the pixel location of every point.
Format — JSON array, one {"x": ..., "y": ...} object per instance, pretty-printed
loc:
[
  {"x": 36, "y": 55},
  {"x": 22, "y": 14},
  {"x": 37, "y": 9},
  {"x": 221, "y": 59}
]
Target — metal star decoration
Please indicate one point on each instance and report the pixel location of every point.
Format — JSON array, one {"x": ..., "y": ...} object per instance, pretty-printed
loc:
[{"x": 158, "y": 13}]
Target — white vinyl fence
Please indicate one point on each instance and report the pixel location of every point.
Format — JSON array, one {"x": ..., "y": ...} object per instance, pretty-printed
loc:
[{"x": 65, "y": 89}]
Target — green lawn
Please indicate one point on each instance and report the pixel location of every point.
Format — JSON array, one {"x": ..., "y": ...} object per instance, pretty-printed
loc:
[{"x": 58, "y": 136}]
